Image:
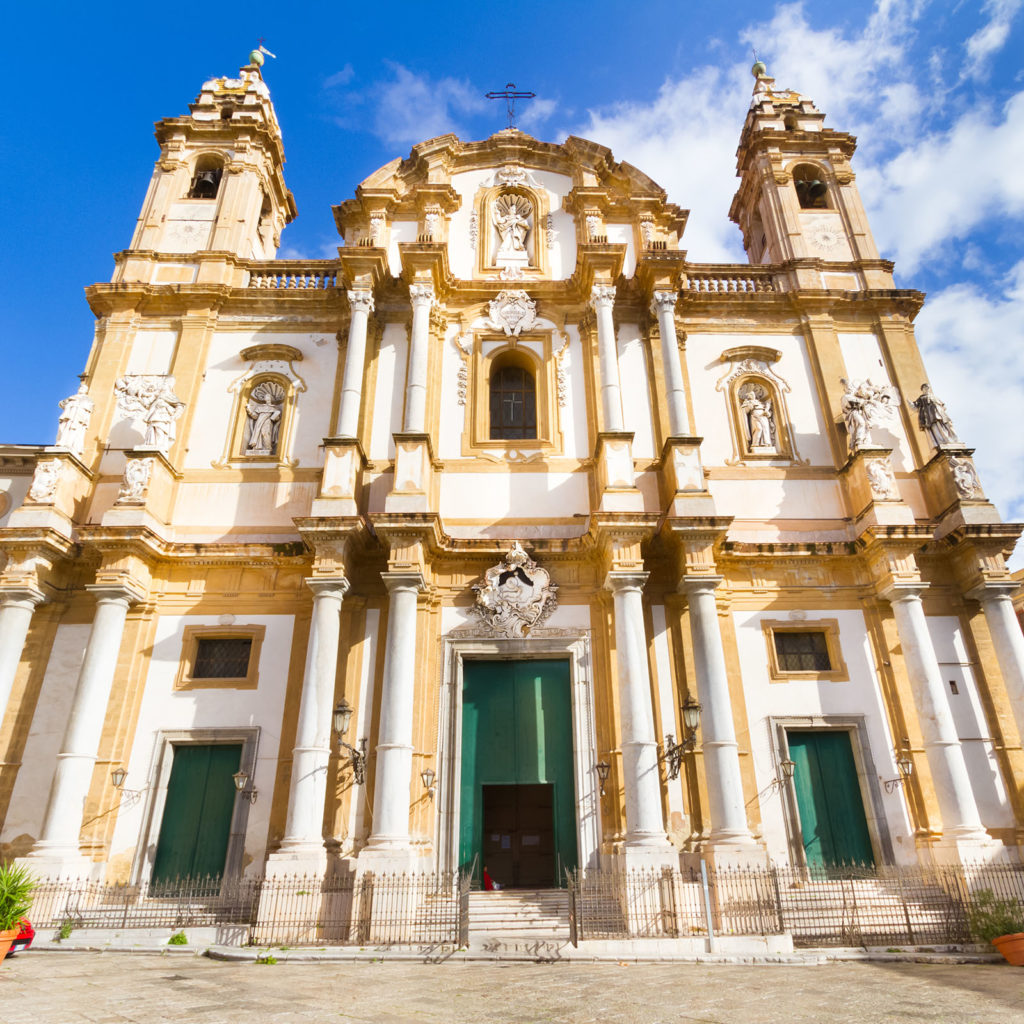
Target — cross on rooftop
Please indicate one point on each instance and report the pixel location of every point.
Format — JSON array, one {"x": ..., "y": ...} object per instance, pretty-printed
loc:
[{"x": 510, "y": 95}]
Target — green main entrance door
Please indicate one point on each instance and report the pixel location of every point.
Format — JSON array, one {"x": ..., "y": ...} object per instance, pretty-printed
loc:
[
  {"x": 196, "y": 824},
  {"x": 518, "y": 799},
  {"x": 835, "y": 830}
]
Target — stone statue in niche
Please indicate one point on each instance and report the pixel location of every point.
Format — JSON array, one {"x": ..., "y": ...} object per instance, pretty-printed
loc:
[
  {"x": 516, "y": 595},
  {"x": 933, "y": 418},
  {"x": 151, "y": 397},
  {"x": 758, "y": 417},
  {"x": 511, "y": 218},
  {"x": 263, "y": 411},
  {"x": 865, "y": 405},
  {"x": 74, "y": 419}
]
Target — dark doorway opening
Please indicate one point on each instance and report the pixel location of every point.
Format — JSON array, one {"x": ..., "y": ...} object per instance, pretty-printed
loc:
[{"x": 519, "y": 835}]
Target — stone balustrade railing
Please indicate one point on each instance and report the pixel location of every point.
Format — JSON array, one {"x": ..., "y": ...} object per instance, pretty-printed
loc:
[
  {"x": 731, "y": 280},
  {"x": 297, "y": 276}
]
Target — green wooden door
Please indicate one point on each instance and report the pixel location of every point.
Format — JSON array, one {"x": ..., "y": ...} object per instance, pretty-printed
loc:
[
  {"x": 832, "y": 821},
  {"x": 196, "y": 824},
  {"x": 517, "y": 730}
]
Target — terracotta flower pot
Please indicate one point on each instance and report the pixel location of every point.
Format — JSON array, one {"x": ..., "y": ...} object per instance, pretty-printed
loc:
[
  {"x": 6, "y": 938},
  {"x": 1012, "y": 948}
]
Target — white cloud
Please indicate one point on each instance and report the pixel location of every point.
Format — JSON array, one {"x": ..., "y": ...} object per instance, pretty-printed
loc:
[
  {"x": 342, "y": 77},
  {"x": 947, "y": 184},
  {"x": 965, "y": 326},
  {"x": 990, "y": 38},
  {"x": 412, "y": 107}
]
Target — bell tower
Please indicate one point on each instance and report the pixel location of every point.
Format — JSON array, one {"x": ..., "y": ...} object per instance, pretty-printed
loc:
[
  {"x": 797, "y": 197},
  {"x": 218, "y": 185}
]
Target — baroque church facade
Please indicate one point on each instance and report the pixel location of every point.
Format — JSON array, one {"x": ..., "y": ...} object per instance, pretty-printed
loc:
[{"x": 510, "y": 537}]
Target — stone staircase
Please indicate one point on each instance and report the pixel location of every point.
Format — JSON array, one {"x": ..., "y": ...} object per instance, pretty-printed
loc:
[{"x": 538, "y": 914}]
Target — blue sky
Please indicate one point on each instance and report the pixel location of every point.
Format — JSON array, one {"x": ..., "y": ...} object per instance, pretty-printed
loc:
[{"x": 934, "y": 92}]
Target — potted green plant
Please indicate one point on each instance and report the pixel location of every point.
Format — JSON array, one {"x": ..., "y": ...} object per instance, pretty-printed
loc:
[
  {"x": 16, "y": 886},
  {"x": 1000, "y": 922}
]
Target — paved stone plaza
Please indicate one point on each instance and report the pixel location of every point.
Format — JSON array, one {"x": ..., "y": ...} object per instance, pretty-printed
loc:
[{"x": 111, "y": 988}]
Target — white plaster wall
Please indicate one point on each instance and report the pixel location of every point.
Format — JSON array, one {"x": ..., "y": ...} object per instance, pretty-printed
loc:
[
  {"x": 164, "y": 709},
  {"x": 496, "y": 496},
  {"x": 216, "y": 508},
  {"x": 46, "y": 733},
  {"x": 860, "y": 695},
  {"x": 389, "y": 397},
  {"x": 453, "y": 410},
  {"x": 573, "y": 416},
  {"x": 212, "y": 425},
  {"x": 400, "y": 231},
  {"x": 12, "y": 494},
  {"x": 971, "y": 725},
  {"x": 634, "y": 381},
  {"x": 863, "y": 358},
  {"x": 710, "y": 409},
  {"x": 152, "y": 351},
  {"x": 778, "y": 499},
  {"x": 617, "y": 234}
]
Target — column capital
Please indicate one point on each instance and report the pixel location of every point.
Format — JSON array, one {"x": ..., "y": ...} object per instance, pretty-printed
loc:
[
  {"x": 663, "y": 302},
  {"x": 360, "y": 299},
  {"x": 399, "y": 581},
  {"x": 421, "y": 295},
  {"x": 602, "y": 296},
  {"x": 695, "y": 585},
  {"x": 108, "y": 592},
  {"x": 622, "y": 581},
  {"x": 995, "y": 590},
  {"x": 23, "y": 594},
  {"x": 897, "y": 592},
  {"x": 328, "y": 586}
]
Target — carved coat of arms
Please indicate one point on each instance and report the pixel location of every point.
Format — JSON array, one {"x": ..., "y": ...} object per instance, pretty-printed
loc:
[
  {"x": 516, "y": 595},
  {"x": 513, "y": 311}
]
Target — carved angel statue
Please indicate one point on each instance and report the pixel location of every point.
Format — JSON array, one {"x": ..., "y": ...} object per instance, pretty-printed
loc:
[
  {"x": 74, "y": 419},
  {"x": 511, "y": 216},
  {"x": 759, "y": 417},
  {"x": 264, "y": 408},
  {"x": 933, "y": 418},
  {"x": 151, "y": 397},
  {"x": 865, "y": 405}
]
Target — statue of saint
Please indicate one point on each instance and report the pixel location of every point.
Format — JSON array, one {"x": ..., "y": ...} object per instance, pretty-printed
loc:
[
  {"x": 511, "y": 217},
  {"x": 756, "y": 405},
  {"x": 74, "y": 418},
  {"x": 266, "y": 401},
  {"x": 933, "y": 418},
  {"x": 165, "y": 408}
]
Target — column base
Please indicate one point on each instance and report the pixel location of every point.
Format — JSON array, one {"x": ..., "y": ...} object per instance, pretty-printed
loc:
[
  {"x": 970, "y": 850},
  {"x": 734, "y": 853},
  {"x": 647, "y": 853},
  {"x": 298, "y": 861},
  {"x": 390, "y": 859},
  {"x": 60, "y": 863}
]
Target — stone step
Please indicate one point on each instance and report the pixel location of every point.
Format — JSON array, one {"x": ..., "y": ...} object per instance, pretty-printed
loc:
[{"x": 520, "y": 912}]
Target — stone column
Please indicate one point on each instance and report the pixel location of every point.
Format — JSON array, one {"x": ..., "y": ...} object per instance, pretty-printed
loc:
[
  {"x": 389, "y": 840},
  {"x": 361, "y": 302},
  {"x": 961, "y": 823},
  {"x": 57, "y": 851},
  {"x": 602, "y": 298},
  {"x": 302, "y": 849},
  {"x": 663, "y": 305},
  {"x": 16, "y": 608},
  {"x": 1008, "y": 641},
  {"x": 422, "y": 296},
  {"x": 645, "y": 825},
  {"x": 727, "y": 807}
]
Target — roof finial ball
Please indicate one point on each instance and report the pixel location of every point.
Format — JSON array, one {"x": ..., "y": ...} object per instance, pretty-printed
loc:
[
  {"x": 760, "y": 69},
  {"x": 257, "y": 58}
]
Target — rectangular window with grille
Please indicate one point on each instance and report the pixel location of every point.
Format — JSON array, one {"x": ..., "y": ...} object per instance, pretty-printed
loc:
[
  {"x": 802, "y": 652},
  {"x": 222, "y": 657}
]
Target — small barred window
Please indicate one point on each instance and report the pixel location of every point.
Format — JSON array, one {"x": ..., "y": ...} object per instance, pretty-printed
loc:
[
  {"x": 513, "y": 404},
  {"x": 222, "y": 657},
  {"x": 802, "y": 651}
]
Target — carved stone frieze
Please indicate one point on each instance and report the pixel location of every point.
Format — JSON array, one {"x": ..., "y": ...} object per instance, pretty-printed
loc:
[
  {"x": 516, "y": 595},
  {"x": 562, "y": 374},
  {"x": 135, "y": 482},
  {"x": 965, "y": 477},
  {"x": 45, "y": 480},
  {"x": 881, "y": 479}
]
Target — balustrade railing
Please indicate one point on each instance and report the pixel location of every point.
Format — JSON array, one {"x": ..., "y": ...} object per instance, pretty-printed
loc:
[
  {"x": 297, "y": 277},
  {"x": 730, "y": 280}
]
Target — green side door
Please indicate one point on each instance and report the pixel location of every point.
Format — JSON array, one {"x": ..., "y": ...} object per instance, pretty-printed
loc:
[
  {"x": 196, "y": 824},
  {"x": 832, "y": 820},
  {"x": 517, "y": 730}
]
